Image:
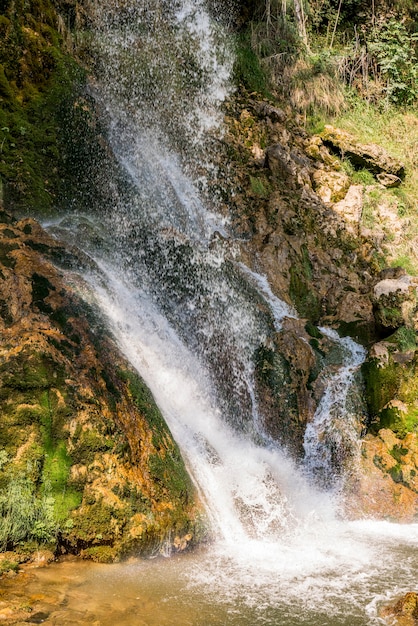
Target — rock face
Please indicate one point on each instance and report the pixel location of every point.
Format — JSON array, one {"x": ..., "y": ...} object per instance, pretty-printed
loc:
[
  {"x": 385, "y": 485},
  {"x": 316, "y": 253},
  {"x": 87, "y": 463},
  {"x": 308, "y": 248},
  {"x": 396, "y": 302},
  {"x": 369, "y": 156}
]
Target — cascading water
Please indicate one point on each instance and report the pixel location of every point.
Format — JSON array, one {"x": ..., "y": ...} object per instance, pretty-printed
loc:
[
  {"x": 189, "y": 318},
  {"x": 333, "y": 427}
]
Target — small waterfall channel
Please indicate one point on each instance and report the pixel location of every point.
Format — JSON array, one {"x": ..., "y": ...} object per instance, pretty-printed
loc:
[{"x": 189, "y": 317}]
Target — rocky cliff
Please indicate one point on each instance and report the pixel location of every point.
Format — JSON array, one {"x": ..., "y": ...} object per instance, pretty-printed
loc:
[
  {"x": 88, "y": 465},
  {"x": 303, "y": 221}
]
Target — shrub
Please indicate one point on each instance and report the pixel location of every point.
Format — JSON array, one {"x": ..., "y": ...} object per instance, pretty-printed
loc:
[
  {"x": 395, "y": 51},
  {"x": 24, "y": 515}
]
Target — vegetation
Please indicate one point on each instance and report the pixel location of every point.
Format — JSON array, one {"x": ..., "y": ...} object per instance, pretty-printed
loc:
[{"x": 37, "y": 77}]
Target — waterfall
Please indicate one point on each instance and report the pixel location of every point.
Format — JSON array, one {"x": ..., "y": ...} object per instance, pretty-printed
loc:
[
  {"x": 190, "y": 316},
  {"x": 333, "y": 428},
  {"x": 187, "y": 314}
]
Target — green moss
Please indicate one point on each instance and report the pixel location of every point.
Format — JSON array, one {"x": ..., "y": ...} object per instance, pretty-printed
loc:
[
  {"x": 300, "y": 289},
  {"x": 313, "y": 331},
  {"x": 260, "y": 187},
  {"x": 398, "y": 452},
  {"x": 362, "y": 332},
  {"x": 390, "y": 317},
  {"x": 404, "y": 339},
  {"x": 36, "y": 77},
  {"x": 392, "y": 382},
  {"x": 396, "y": 473},
  {"x": 382, "y": 384},
  {"x": 41, "y": 288},
  {"x": 8, "y": 566},
  {"x": 88, "y": 444},
  {"x": 145, "y": 403},
  {"x": 101, "y": 554},
  {"x": 247, "y": 68},
  {"x": 94, "y": 526},
  {"x": 170, "y": 476},
  {"x": 5, "y": 257},
  {"x": 30, "y": 371}
]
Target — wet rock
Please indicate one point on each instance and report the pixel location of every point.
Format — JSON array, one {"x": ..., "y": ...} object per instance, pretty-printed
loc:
[
  {"x": 391, "y": 376},
  {"x": 404, "y": 612},
  {"x": 78, "y": 424},
  {"x": 369, "y": 156}
]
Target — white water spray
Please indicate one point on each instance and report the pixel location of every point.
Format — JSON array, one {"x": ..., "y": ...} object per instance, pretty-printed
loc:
[{"x": 333, "y": 426}]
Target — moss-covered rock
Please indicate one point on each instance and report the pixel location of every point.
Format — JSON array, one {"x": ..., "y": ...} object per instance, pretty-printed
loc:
[
  {"x": 87, "y": 463},
  {"x": 37, "y": 76},
  {"x": 385, "y": 484},
  {"x": 391, "y": 376}
]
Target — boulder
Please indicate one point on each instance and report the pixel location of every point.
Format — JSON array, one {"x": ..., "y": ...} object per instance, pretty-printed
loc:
[
  {"x": 331, "y": 186},
  {"x": 403, "y": 612},
  {"x": 395, "y": 302},
  {"x": 369, "y": 156}
]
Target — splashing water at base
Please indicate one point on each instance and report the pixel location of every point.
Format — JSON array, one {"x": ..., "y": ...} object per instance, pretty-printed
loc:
[
  {"x": 279, "y": 555},
  {"x": 337, "y": 580},
  {"x": 333, "y": 426}
]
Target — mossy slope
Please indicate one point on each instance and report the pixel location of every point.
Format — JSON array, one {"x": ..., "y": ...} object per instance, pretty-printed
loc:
[{"x": 87, "y": 462}]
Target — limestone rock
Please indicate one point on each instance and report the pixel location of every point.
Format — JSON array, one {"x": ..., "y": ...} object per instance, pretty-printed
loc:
[
  {"x": 369, "y": 156},
  {"x": 388, "y": 180},
  {"x": 81, "y": 436},
  {"x": 350, "y": 208},
  {"x": 316, "y": 149},
  {"x": 395, "y": 302},
  {"x": 279, "y": 162},
  {"x": 403, "y": 612},
  {"x": 331, "y": 186},
  {"x": 385, "y": 484}
]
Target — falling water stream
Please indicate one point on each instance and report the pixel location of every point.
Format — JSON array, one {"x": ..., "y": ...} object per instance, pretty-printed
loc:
[{"x": 189, "y": 318}]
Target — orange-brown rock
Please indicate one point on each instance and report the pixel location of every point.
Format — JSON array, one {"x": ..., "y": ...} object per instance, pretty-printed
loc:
[
  {"x": 385, "y": 485},
  {"x": 83, "y": 444},
  {"x": 403, "y": 612}
]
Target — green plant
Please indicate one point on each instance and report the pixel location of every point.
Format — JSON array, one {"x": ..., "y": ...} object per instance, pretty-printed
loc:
[
  {"x": 260, "y": 187},
  {"x": 408, "y": 263},
  {"x": 405, "y": 338},
  {"x": 394, "y": 49},
  {"x": 247, "y": 67},
  {"x": 363, "y": 177},
  {"x": 24, "y": 515}
]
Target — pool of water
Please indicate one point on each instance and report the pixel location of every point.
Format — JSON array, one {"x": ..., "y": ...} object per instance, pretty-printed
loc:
[{"x": 339, "y": 581}]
